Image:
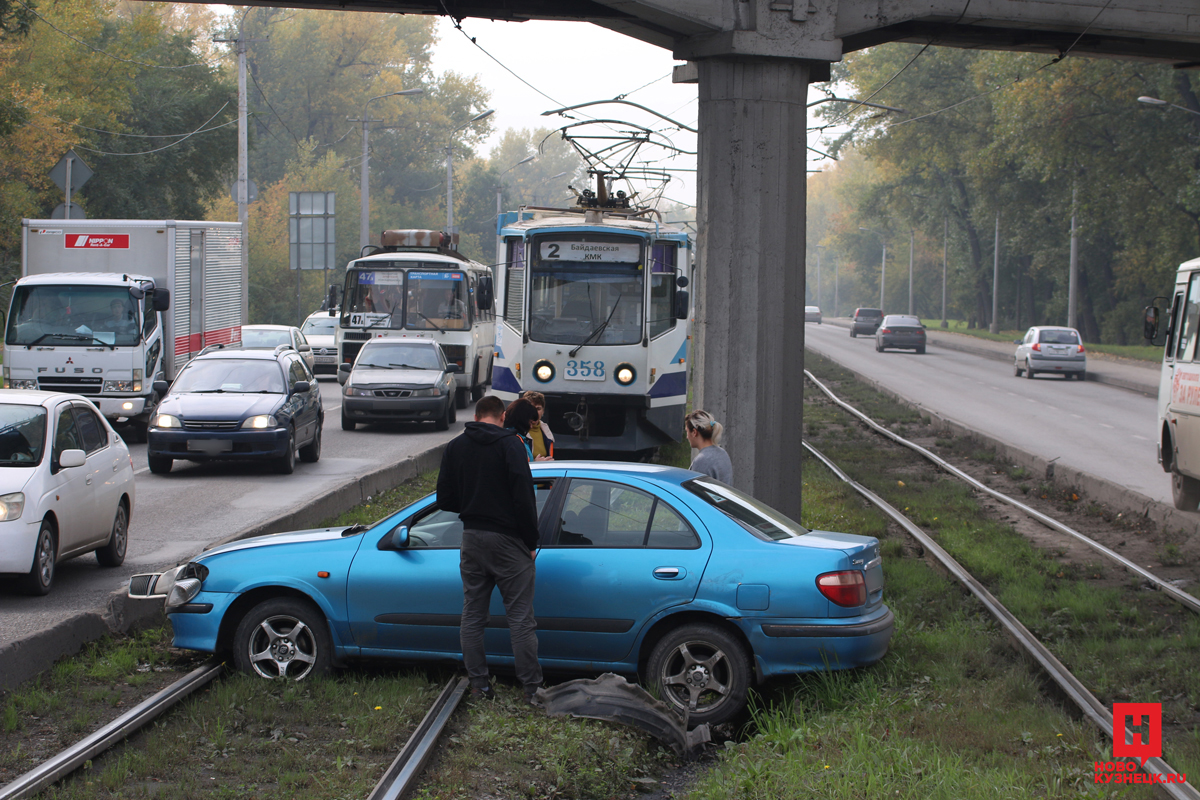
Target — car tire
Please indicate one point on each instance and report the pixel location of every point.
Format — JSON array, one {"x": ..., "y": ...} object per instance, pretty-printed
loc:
[
  {"x": 283, "y": 637},
  {"x": 347, "y": 423},
  {"x": 45, "y": 555},
  {"x": 1081, "y": 375},
  {"x": 159, "y": 465},
  {"x": 453, "y": 415},
  {"x": 853, "y": 335},
  {"x": 1185, "y": 492},
  {"x": 690, "y": 659},
  {"x": 1016, "y": 369},
  {"x": 443, "y": 421},
  {"x": 921, "y": 350},
  {"x": 112, "y": 554},
  {"x": 462, "y": 398},
  {"x": 311, "y": 452},
  {"x": 1028, "y": 371},
  {"x": 286, "y": 464}
]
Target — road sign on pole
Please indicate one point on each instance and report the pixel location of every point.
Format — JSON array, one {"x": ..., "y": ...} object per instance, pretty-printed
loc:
[{"x": 69, "y": 174}]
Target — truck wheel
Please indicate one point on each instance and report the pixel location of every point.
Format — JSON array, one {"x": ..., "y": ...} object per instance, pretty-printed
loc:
[
  {"x": 1185, "y": 492},
  {"x": 159, "y": 465}
]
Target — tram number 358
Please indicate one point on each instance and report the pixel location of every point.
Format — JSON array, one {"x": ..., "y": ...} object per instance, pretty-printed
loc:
[{"x": 584, "y": 370}]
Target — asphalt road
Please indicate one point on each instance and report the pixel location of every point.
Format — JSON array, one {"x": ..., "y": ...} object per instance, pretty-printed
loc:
[
  {"x": 177, "y": 514},
  {"x": 1102, "y": 430}
]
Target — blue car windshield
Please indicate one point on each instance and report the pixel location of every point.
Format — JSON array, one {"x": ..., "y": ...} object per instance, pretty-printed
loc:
[
  {"x": 221, "y": 375},
  {"x": 753, "y": 515}
]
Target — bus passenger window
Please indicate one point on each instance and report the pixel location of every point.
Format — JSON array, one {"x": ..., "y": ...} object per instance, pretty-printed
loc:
[
  {"x": 1191, "y": 317},
  {"x": 1173, "y": 326}
]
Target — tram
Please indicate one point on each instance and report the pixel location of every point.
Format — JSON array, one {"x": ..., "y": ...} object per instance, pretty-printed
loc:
[
  {"x": 417, "y": 285},
  {"x": 595, "y": 316}
]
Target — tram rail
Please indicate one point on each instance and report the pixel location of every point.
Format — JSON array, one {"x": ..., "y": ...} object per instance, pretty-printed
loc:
[
  {"x": 1175, "y": 593},
  {"x": 1088, "y": 704}
]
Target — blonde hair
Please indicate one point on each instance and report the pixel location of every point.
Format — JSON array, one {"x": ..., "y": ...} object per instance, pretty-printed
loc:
[{"x": 703, "y": 423}]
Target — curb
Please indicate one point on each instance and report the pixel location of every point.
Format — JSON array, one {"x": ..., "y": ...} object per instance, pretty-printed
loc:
[
  {"x": 1096, "y": 488},
  {"x": 1099, "y": 376},
  {"x": 25, "y": 658}
]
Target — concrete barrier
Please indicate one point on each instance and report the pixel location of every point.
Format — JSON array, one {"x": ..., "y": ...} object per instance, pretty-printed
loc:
[{"x": 24, "y": 658}]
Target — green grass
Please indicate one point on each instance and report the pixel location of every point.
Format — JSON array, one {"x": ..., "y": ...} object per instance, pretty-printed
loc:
[
  {"x": 386, "y": 503},
  {"x": 1139, "y": 352}
]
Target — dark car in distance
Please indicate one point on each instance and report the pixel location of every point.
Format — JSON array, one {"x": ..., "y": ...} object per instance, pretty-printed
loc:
[
  {"x": 234, "y": 404},
  {"x": 902, "y": 332},
  {"x": 866, "y": 321}
]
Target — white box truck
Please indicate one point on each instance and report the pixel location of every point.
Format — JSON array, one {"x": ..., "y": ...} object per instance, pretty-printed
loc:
[{"x": 104, "y": 308}]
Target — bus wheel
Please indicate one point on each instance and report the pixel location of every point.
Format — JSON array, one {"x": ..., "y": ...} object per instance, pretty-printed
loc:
[{"x": 1185, "y": 492}]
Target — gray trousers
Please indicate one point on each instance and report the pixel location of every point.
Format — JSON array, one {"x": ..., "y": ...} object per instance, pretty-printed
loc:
[{"x": 488, "y": 560}]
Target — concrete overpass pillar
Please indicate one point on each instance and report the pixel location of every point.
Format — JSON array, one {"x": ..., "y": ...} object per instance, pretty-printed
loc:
[{"x": 750, "y": 307}]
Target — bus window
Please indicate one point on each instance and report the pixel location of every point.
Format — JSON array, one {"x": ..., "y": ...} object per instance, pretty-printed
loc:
[
  {"x": 1173, "y": 326},
  {"x": 1191, "y": 317},
  {"x": 372, "y": 299}
]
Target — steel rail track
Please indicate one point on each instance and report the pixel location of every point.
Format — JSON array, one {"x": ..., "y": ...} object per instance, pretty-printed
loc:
[
  {"x": 1091, "y": 707},
  {"x": 120, "y": 728},
  {"x": 411, "y": 760},
  {"x": 1183, "y": 598}
]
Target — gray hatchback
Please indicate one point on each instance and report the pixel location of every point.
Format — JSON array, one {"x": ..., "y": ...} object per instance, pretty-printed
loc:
[{"x": 1050, "y": 349}]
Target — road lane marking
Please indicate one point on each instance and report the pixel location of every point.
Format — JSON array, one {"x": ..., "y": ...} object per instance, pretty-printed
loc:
[
  {"x": 1110, "y": 427},
  {"x": 1143, "y": 438}
]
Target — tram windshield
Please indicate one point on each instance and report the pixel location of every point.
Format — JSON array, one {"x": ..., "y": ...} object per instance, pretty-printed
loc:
[
  {"x": 437, "y": 300},
  {"x": 571, "y": 302}
]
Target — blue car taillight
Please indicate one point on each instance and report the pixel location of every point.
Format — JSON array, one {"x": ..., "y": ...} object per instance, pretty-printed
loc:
[{"x": 846, "y": 588}]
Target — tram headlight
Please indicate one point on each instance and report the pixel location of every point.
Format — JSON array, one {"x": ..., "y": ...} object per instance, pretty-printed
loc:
[
  {"x": 543, "y": 371},
  {"x": 625, "y": 374}
]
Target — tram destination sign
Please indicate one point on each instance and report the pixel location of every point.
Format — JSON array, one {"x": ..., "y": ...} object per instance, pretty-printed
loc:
[{"x": 619, "y": 252}]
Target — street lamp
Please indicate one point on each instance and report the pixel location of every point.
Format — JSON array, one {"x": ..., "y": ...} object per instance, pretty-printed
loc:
[
  {"x": 882, "y": 264},
  {"x": 450, "y": 167},
  {"x": 1155, "y": 102},
  {"x": 364, "y": 233}
]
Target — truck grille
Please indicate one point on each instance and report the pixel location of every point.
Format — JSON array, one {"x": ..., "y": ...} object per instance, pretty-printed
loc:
[
  {"x": 57, "y": 383},
  {"x": 211, "y": 424}
]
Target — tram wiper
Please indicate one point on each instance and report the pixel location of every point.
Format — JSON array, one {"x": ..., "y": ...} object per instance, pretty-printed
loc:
[{"x": 599, "y": 330}]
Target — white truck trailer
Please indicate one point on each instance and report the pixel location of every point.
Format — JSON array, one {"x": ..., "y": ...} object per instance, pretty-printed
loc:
[{"x": 104, "y": 308}]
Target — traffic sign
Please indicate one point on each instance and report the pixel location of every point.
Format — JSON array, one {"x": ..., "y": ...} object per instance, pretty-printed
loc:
[
  {"x": 60, "y": 212},
  {"x": 80, "y": 173}
]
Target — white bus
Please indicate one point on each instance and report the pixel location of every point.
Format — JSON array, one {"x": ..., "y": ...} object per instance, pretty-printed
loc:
[
  {"x": 417, "y": 285},
  {"x": 1179, "y": 387}
]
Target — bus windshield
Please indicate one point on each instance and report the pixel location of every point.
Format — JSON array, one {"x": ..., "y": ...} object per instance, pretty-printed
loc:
[
  {"x": 437, "y": 300},
  {"x": 88, "y": 315},
  {"x": 571, "y": 301},
  {"x": 374, "y": 299}
]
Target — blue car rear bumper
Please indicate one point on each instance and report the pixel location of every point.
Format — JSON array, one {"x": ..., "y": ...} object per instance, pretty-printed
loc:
[{"x": 785, "y": 647}]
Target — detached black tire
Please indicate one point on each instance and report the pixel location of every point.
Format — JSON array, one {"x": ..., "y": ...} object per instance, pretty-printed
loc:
[
  {"x": 283, "y": 637},
  {"x": 1185, "y": 492},
  {"x": 159, "y": 465},
  {"x": 45, "y": 555},
  {"x": 112, "y": 554},
  {"x": 311, "y": 452},
  {"x": 703, "y": 670}
]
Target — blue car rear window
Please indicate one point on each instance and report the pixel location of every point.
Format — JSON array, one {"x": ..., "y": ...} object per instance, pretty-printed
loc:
[{"x": 756, "y": 517}]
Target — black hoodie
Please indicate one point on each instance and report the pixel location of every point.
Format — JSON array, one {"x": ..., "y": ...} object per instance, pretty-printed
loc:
[{"x": 485, "y": 477}]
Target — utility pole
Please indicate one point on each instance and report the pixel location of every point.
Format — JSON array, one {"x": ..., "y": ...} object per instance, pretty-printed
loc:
[
  {"x": 911, "y": 236},
  {"x": 882, "y": 275},
  {"x": 1072, "y": 281},
  {"x": 945, "y": 246},
  {"x": 995, "y": 326},
  {"x": 819, "y": 249},
  {"x": 836, "y": 301}
]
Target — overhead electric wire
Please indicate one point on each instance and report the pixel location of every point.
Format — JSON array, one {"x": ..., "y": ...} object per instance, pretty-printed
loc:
[
  {"x": 643, "y": 86},
  {"x": 273, "y": 111},
  {"x": 76, "y": 39},
  {"x": 185, "y": 137}
]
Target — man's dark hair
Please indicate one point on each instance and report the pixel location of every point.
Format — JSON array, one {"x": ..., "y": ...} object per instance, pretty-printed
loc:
[
  {"x": 520, "y": 416},
  {"x": 490, "y": 406}
]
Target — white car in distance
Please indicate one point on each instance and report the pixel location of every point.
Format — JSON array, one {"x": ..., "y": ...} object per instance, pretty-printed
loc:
[
  {"x": 66, "y": 486},
  {"x": 320, "y": 329}
]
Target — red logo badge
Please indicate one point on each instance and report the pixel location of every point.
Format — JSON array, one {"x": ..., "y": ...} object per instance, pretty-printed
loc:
[
  {"x": 1144, "y": 745},
  {"x": 89, "y": 241}
]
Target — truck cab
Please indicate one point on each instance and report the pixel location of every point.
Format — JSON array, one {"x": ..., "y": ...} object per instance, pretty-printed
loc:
[{"x": 99, "y": 335}]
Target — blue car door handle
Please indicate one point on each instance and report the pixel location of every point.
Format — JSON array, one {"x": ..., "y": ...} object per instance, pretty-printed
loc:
[{"x": 670, "y": 573}]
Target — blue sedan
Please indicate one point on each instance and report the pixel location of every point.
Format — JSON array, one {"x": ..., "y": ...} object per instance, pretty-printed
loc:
[{"x": 642, "y": 569}]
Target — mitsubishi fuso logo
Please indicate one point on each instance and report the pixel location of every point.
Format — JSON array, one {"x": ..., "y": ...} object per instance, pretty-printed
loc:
[{"x": 69, "y": 361}]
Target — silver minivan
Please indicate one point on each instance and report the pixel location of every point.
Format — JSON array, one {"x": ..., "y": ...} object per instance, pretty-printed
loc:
[{"x": 1050, "y": 349}]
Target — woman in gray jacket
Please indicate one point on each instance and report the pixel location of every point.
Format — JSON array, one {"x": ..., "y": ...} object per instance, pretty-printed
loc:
[{"x": 704, "y": 435}]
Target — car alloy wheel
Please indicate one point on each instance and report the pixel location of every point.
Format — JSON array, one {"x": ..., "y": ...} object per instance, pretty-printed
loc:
[
  {"x": 41, "y": 574},
  {"x": 703, "y": 670},
  {"x": 287, "y": 461},
  {"x": 1028, "y": 370},
  {"x": 112, "y": 554},
  {"x": 283, "y": 638}
]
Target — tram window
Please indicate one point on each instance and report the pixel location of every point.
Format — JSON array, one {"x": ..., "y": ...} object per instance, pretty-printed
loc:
[
  {"x": 514, "y": 286},
  {"x": 662, "y": 288},
  {"x": 1191, "y": 318}
]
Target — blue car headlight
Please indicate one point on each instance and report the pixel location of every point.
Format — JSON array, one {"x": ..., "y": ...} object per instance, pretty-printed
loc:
[
  {"x": 261, "y": 422},
  {"x": 167, "y": 421}
]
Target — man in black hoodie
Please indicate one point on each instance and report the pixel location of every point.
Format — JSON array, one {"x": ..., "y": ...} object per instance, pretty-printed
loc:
[{"x": 485, "y": 477}]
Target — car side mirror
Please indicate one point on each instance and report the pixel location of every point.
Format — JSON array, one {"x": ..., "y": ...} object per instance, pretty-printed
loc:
[
  {"x": 162, "y": 299},
  {"x": 453, "y": 368},
  {"x": 1017, "y": 341},
  {"x": 161, "y": 388},
  {"x": 400, "y": 538},
  {"x": 681, "y": 304},
  {"x": 1150, "y": 324},
  {"x": 72, "y": 458},
  {"x": 301, "y": 387}
]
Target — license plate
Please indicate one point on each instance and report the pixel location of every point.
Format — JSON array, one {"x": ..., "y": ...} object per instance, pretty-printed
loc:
[
  {"x": 326, "y": 359},
  {"x": 210, "y": 446}
]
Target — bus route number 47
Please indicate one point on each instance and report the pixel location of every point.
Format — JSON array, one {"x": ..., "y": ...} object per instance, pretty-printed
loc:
[{"x": 584, "y": 371}]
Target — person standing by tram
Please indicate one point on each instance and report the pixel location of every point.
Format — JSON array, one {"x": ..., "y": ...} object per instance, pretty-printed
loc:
[
  {"x": 540, "y": 436},
  {"x": 704, "y": 435}
]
